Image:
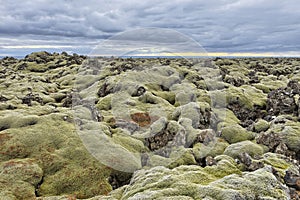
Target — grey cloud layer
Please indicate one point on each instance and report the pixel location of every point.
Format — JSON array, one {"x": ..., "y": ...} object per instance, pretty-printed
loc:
[{"x": 223, "y": 25}]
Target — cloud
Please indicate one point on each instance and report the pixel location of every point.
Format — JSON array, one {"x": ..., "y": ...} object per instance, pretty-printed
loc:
[{"x": 223, "y": 26}]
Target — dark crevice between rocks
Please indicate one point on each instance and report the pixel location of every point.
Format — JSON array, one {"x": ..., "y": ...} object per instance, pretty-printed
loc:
[
  {"x": 159, "y": 140},
  {"x": 205, "y": 119},
  {"x": 206, "y": 161},
  {"x": 163, "y": 142},
  {"x": 139, "y": 91},
  {"x": 104, "y": 90},
  {"x": 247, "y": 116},
  {"x": 164, "y": 88},
  {"x": 32, "y": 97},
  {"x": 249, "y": 163},
  {"x": 276, "y": 145},
  {"x": 292, "y": 180},
  {"x": 4, "y": 127},
  {"x": 253, "y": 78},
  {"x": 233, "y": 80},
  {"x": 124, "y": 67},
  {"x": 118, "y": 179},
  {"x": 3, "y": 98},
  {"x": 37, "y": 188},
  {"x": 67, "y": 101}
]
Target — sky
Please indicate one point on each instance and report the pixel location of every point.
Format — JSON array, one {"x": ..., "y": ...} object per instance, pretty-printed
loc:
[{"x": 217, "y": 27}]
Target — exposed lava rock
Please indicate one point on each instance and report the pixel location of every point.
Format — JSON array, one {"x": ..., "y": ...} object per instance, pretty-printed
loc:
[{"x": 283, "y": 101}]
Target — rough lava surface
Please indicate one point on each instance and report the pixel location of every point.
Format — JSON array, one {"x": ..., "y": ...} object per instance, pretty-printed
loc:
[{"x": 182, "y": 143}]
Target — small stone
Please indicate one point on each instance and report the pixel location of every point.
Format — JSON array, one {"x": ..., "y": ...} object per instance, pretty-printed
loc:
[
  {"x": 281, "y": 149},
  {"x": 245, "y": 159},
  {"x": 210, "y": 161}
]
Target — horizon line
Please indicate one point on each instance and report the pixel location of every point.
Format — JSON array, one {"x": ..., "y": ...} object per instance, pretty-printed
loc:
[
  {"x": 180, "y": 54},
  {"x": 208, "y": 54}
]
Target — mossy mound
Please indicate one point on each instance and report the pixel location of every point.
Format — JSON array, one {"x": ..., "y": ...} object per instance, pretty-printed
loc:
[
  {"x": 186, "y": 129},
  {"x": 249, "y": 147},
  {"x": 223, "y": 181},
  {"x": 236, "y": 133}
]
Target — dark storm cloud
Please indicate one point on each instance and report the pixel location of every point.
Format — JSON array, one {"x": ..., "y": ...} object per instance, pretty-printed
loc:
[{"x": 226, "y": 25}]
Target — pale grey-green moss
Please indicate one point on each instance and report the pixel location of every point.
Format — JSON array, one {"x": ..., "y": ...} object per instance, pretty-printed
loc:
[
  {"x": 291, "y": 135},
  {"x": 234, "y": 150},
  {"x": 235, "y": 133},
  {"x": 130, "y": 143},
  {"x": 213, "y": 149},
  {"x": 261, "y": 125},
  {"x": 17, "y": 120},
  {"x": 223, "y": 181}
]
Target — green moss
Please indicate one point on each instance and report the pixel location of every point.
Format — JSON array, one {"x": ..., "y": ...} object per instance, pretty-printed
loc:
[
  {"x": 82, "y": 181},
  {"x": 130, "y": 143},
  {"x": 58, "y": 97},
  {"x": 156, "y": 160},
  {"x": 22, "y": 169},
  {"x": 104, "y": 103},
  {"x": 237, "y": 77},
  {"x": 247, "y": 96},
  {"x": 83, "y": 82},
  {"x": 68, "y": 167},
  {"x": 67, "y": 80},
  {"x": 182, "y": 156},
  {"x": 277, "y": 161},
  {"x": 198, "y": 176},
  {"x": 225, "y": 166},
  {"x": 42, "y": 138},
  {"x": 257, "y": 97},
  {"x": 251, "y": 148},
  {"x": 291, "y": 135},
  {"x": 46, "y": 99},
  {"x": 225, "y": 117},
  {"x": 236, "y": 133},
  {"x": 203, "y": 96},
  {"x": 168, "y": 96},
  {"x": 17, "y": 120},
  {"x": 261, "y": 125},
  {"x": 179, "y": 197},
  {"x": 16, "y": 189},
  {"x": 19, "y": 177},
  {"x": 83, "y": 113},
  {"x": 213, "y": 149},
  {"x": 265, "y": 88},
  {"x": 258, "y": 184},
  {"x": 50, "y": 162},
  {"x": 34, "y": 67},
  {"x": 185, "y": 180},
  {"x": 153, "y": 87},
  {"x": 272, "y": 82}
]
